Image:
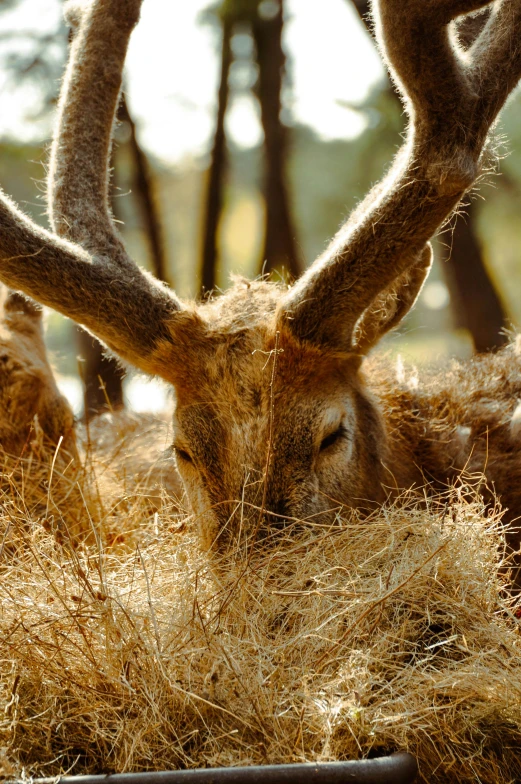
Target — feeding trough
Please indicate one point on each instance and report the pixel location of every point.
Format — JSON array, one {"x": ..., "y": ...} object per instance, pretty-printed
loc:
[{"x": 397, "y": 769}]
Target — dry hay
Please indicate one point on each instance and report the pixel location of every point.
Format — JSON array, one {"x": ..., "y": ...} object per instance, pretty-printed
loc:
[
  {"x": 328, "y": 643},
  {"x": 136, "y": 451},
  {"x": 48, "y": 484}
]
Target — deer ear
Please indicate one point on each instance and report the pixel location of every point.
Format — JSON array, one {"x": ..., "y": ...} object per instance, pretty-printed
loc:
[
  {"x": 21, "y": 313},
  {"x": 392, "y": 304}
]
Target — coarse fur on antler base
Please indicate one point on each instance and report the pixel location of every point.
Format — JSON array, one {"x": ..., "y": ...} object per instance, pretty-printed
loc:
[{"x": 277, "y": 416}]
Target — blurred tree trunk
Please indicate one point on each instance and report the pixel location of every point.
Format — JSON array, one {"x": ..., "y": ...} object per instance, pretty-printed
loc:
[
  {"x": 144, "y": 191},
  {"x": 362, "y": 8},
  {"x": 480, "y": 308},
  {"x": 476, "y": 304},
  {"x": 280, "y": 248},
  {"x": 102, "y": 377},
  {"x": 216, "y": 173}
]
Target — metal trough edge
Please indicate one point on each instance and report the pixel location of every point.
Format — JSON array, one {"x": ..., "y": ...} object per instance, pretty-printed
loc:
[{"x": 400, "y": 768}]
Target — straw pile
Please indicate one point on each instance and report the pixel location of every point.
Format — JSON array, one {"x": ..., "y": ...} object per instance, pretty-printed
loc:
[{"x": 358, "y": 639}]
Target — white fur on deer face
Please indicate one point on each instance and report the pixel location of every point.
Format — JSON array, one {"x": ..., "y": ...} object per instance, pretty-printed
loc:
[{"x": 275, "y": 431}]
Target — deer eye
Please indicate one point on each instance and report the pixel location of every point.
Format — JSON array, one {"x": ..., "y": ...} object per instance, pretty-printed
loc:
[
  {"x": 333, "y": 437},
  {"x": 182, "y": 454}
]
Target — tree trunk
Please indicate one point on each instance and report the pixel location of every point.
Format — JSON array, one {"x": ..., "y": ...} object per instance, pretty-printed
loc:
[
  {"x": 362, "y": 8},
  {"x": 475, "y": 300},
  {"x": 217, "y": 170},
  {"x": 479, "y": 307},
  {"x": 144, "y": 191},
  {"x": 102, "y": 377},
  {"x": 280, "y": 248}
]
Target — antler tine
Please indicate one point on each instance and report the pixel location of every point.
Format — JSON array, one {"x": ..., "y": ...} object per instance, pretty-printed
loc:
[
  {"x": 78, "y": 178},
  {"x": 452, "y": 99},
  {"x": 130, "y": 312},
  {"x": 392, "y": 304},
  {"x": 496, "y": 64},
  {"x": 97, "y": 284}
]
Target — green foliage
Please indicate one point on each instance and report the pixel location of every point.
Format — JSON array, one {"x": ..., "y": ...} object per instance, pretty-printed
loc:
[
  {"x": 231, "y": 11},
  {"x": 240, "y": 10},
  {"x": 330, "y": 178},
  {"x": 500, "y": 213}
]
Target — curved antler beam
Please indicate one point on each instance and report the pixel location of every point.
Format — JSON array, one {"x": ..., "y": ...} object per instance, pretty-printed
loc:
[
  {"x": 98, "y": 285},
  {"x": 130, "y": 311},
  {"x": 78, "y": 182},
  {"x": 452, "y": 99}
]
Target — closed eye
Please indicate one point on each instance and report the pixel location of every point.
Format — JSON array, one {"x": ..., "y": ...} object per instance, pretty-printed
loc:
[
  {"x": 333, "y": 437},
  {"x": 182, "y": 454}
]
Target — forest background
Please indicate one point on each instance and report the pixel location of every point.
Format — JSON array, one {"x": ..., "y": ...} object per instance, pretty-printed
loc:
[{"x": 248, "y": 130}]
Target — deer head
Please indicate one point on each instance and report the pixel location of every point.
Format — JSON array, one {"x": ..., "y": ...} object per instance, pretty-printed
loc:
[{"x": 274, "y": 420}]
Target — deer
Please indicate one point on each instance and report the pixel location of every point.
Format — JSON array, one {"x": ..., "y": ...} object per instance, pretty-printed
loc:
[
  {"x": 39, "y": 450},
  {"x": 28, "y": 389},
  {"x": 282, "y": 414}
]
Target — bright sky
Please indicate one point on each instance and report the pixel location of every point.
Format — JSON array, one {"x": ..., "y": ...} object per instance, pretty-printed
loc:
[{"x": 172, "y": 73}]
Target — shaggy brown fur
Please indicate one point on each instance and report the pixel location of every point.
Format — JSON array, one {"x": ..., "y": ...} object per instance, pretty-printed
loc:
[
  {"x": 277, "y": 418},
  {"x": 29, "y": 397},
  {"x": 134, "y": 448},
  {"x": 38, "y": 449}
]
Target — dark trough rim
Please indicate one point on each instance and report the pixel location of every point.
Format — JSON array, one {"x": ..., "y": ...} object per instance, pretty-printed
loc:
[{"x": 400, "y": 768}]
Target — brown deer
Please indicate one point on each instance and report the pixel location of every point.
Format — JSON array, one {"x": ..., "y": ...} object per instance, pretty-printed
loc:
[
  {"x": 38, "y": 453},
  {"x": 28, "y": 391},
  {"x": 279, "y": 415}
]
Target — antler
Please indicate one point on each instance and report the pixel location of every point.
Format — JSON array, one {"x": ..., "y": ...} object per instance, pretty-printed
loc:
[
  {"x": 78, "y": 179},
  {"x": 390, "y": 306},
  {"x": 452, "y": 99},
  {"x": 97, "y": 284}
]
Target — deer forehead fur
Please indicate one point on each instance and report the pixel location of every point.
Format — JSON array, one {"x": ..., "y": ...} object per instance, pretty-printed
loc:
[{"x": 254, "y": 401}]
